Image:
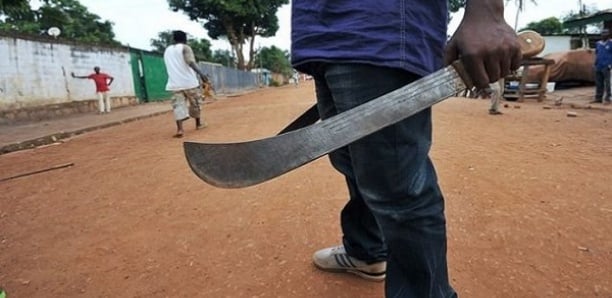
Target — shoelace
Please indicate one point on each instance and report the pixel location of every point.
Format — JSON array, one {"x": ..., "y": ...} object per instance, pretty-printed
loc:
[{"x": 339, "y": 247}]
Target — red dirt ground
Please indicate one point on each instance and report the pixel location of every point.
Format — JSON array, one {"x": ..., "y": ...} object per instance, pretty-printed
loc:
[{"x": 529, "y": 208}]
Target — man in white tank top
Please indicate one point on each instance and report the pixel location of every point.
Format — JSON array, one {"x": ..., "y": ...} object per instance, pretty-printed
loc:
[{"x": 183, "y": 82}]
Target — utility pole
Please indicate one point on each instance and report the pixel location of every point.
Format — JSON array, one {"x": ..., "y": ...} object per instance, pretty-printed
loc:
[
  {"x": 584, "y": 39},
  {"x": 519, "y": 8},
  {"x": 259, "y": 68}
]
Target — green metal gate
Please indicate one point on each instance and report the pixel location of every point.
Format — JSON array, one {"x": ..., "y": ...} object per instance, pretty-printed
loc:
[{"x": 150, "y": 75}]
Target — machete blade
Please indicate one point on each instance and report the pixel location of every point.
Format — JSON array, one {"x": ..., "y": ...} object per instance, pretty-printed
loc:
[
  {"x": 250, "y": 162},
  {"x": 235, "y": 165}
]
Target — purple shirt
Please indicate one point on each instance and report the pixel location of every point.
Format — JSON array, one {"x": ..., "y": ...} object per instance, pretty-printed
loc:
[
  {"x": 603, "y": 54},
  {"x": 405, "y": 34}
]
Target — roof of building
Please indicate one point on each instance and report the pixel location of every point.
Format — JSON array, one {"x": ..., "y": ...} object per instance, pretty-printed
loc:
[{"x": 597, "y": 17}]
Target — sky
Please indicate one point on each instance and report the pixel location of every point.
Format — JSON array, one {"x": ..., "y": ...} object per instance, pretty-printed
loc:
[{"x": 136, "y": 22}]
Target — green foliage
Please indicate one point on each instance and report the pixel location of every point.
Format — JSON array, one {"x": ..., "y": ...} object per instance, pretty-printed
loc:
[
  {"x": 274, "y": 83},
  {"x": 13, "y": 6},
  {"x": 224, "y": 57},
  {"x": 549, "y": 26},
  {"x": 455, "y": 5},
  {"x": 553, "y": 25},
  {"x": 275, "y": 60},
  {"x": 238, "y": 21},
  {"x": 201, "y": 47},
  {"x": 73, "y": 19},
  {"x": 163, "y": 40}
]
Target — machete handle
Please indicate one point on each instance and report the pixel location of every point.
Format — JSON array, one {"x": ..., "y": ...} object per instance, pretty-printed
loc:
[{"x": 458, "y": 66}]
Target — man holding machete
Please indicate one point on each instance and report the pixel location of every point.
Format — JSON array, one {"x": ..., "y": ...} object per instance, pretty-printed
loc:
[{"x": 393, "y": 225}]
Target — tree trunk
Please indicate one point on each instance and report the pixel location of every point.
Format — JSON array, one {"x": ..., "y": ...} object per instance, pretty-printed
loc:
[
  {"x": 235, "y": 39},
  {"x": 251, "y": 47},
  {"x": 240, "y": 53}
]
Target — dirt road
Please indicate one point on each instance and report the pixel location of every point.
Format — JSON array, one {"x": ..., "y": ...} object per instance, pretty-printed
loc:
[{"x": 529, "y": 208}]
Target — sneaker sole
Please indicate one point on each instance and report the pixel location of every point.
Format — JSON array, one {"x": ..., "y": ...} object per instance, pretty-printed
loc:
[{"x": 365, "y": 275}]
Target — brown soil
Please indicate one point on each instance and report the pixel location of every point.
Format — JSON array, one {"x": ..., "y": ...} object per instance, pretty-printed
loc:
[{"x": 529, "y": 208}]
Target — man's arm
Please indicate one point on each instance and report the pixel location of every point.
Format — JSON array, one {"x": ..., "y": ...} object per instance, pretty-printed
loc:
[
  {"x": 110, "y": 80},
  {"x": 78, "y": 77},
  {"x": 485, "y": 43},
  {"x": 190, "y": 60},
  {"x": 195, "y": 67}
]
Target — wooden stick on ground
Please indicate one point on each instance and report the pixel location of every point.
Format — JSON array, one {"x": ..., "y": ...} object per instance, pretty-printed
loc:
[{"x": 38, "y": 171}]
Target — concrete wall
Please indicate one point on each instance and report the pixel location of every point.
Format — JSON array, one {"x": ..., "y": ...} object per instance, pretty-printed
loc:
[
  {"x": 556, "y": 44},
  {"x": 37, "y": 73}
]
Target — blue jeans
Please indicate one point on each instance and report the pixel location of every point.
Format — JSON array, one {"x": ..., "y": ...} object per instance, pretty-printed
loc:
[
  {"x": 602, "y": 83},
  {"x": 396, "y": 209}
]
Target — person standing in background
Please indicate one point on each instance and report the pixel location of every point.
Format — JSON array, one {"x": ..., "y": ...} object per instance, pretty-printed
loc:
[
  {"x": 496, "y": 95},
  {"x": 603, "y": 65},
  {"x": 183, "y": 82},
  {"x": 103, "y": 82}
]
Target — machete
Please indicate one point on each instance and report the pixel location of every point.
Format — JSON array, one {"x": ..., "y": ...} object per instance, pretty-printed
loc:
[{"x": 236, "y": 165}]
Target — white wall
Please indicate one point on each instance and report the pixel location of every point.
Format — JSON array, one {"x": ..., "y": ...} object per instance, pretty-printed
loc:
[
  {"x": 34, "y": 73},
  {"x": 555, "y": 44}
]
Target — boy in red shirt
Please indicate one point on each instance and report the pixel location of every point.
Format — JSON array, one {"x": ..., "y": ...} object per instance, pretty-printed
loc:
[{"x": 102, "y": 81}]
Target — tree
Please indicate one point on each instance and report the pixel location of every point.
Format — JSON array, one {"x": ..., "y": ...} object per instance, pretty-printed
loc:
[
  {"x": 275, "y": 60},
  {"x": 455, "y": 5},
  {"x": 224, "y": 57},
  {"x": 163, "y": 40},
  {"x": 238, "y": 21},
  {"x": 549, "y": 26},
  {"x": 201, "y": 47},
  {"x": 75, "y": 21},
  {"x": 17, "y": 15},
  {"x": 12, "y": 6}
]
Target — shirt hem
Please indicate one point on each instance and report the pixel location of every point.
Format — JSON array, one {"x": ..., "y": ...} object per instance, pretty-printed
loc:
[{"x": 302, "y": 65}]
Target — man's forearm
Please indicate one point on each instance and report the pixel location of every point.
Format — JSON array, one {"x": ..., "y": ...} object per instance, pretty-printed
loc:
[
  {"x": 195, "y": 67},
  {"x": 487, "y": 8},
  {"x": 78, "y": 77}
]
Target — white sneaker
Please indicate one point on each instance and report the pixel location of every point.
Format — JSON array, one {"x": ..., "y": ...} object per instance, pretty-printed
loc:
[{"x": 335, "y": 259}]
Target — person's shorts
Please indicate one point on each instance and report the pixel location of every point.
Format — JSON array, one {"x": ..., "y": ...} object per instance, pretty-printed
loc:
[{"x": 186, "y": 103}]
